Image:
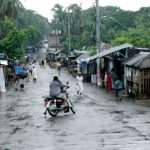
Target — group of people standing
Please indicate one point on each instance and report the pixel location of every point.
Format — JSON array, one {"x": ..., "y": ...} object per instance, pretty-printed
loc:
[
  {"x": 27, "y": 71},
  {"x": 112, "y": 81}
]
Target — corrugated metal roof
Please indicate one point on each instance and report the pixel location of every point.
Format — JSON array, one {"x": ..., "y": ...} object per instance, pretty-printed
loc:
[
  {"x": 142, "y": 49},
  {"x": 83, "y": 56},
  {"x": 55, "y": 52},
  {"x": 80, "y": 52},
  {"x": 138, "y": 60},
  {"x": 109, "y": 51},
  {"x": 114, "y": 49},
  {"x": 145, "y": 63}
]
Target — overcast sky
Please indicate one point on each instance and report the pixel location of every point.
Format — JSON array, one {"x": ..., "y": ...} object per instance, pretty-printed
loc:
[{"x": 44, "y": 7}]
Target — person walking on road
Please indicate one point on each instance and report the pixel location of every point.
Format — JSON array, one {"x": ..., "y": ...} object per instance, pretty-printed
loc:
[
  {"x": 34, "y": 74},
  {"x": 80, "y": 82},
  {"x": 78, "y": 89},
  {"x": 59, "y": 69},
  {"x": 30, "y": 67},
  {"x": 42, "y": 63},
  {"x": 19, "y": 80}
]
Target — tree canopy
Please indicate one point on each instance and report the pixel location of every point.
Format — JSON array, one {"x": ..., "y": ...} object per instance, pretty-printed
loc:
[
  {"x": 117, "y": 26},
  {"x": 12, "y": 40},
  {"x": 20, "y": 28},
  {"x": 29, "y": 28}
]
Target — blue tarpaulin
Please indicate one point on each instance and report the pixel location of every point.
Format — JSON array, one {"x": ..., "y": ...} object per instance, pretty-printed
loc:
[{"x": 18, "y": 69}]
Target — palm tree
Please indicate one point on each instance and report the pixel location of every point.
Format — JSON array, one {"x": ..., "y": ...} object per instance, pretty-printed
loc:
[
  {"x": 10, "y": 8},
  {"x": 59, "y": 20},
  {"x": 76, "y": 19}
]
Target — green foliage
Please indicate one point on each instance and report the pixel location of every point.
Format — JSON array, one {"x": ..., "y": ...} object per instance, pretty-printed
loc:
[
  {"x": 10, "y": 8},
  {"x": 143, "y": 18},
  {"x": 11, "y": 42},
  {"x": 92, "y": 50},
  {"x": 33, "y": 20},
  {"x": 26, "y": 28},
  {"x": 29, "y": 28},
  {"x": 137, "y": 37},
  {"x": 115, "y": 25}
]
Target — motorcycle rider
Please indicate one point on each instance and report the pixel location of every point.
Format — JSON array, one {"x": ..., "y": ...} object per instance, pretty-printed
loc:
[{"x": 56, "y": 88}]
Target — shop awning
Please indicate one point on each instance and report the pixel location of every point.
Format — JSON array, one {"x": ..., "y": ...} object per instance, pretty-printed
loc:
[
  {"x": 109, "y": 51},
  {"x": 55, "y": 52},
  {"x": 83, "y": 56}
]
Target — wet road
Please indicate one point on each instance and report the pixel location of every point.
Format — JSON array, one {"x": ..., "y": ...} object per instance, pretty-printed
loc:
[{"x": 100, "y": 123}]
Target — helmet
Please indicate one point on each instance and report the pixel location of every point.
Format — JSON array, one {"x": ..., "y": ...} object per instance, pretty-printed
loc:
[{"x": 55, "y": 78}]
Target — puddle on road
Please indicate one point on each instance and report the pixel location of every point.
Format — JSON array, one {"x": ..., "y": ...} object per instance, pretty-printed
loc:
[
  {"x": 91, "y": 103},
  {"x": 9, "y": 116},
  {"x": 16, "y": 129},
  {"x": 142, "y": 112},
  {"x": 15, "y": 117},
  {"x": 23, "y": 117},
  {"x": 11, "y": 108},
  {"x": 119, "y": 115},
  {"x": 117, "y": 112},
  {"x": 60, "y": 118},
  {"x": 109, "y": 132},
  {"x": 3, "y": 147},
  {"x": 137, "y": 132}
]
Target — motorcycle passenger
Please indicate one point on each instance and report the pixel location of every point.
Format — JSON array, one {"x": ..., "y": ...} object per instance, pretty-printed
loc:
[{"x": 56, "y": 90}]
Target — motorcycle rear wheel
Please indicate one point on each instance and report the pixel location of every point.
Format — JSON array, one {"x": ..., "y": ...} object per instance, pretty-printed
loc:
[{"x": 54, "y": 112}]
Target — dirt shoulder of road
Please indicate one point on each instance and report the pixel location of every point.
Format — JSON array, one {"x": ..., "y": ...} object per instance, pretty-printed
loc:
[{"x": 145, "y": 102}]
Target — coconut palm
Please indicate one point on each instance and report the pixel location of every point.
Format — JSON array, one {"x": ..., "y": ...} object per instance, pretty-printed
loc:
[{"x": 10, "y": 8}]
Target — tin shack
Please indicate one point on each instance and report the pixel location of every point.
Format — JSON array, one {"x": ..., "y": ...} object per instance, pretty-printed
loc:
[{"x": 137, "y": 74}]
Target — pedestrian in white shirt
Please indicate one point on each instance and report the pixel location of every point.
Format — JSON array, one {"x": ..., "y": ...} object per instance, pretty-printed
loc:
[
  {"x": 34, "y": 72},
  {"x": 80, "y": 82},
  {"x": 78, "y": 89}
]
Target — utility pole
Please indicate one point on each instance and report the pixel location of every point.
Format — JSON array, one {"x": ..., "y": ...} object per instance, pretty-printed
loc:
[
  {"x": 56, "y": 38},
  {"x": 98, "y": 47},
  {"x": 69, "y": 38}
]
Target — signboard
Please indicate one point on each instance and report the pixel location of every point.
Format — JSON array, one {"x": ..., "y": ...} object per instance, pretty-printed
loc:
[{"x": 4, "y": 62}]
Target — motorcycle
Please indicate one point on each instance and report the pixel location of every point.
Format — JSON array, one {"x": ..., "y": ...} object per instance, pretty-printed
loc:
[{"x": 54, "y": 104}]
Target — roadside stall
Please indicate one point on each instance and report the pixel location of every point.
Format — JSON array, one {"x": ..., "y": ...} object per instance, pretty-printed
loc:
[
  {"x": 82, "y": 66},
  {"x": 72, "y": 64},
  {"x": 3, "y": 64},
  {"x": 137, "y": 75},
  {"x": 110, "y": 59}
]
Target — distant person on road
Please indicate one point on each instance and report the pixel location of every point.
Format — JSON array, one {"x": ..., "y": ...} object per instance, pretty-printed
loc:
[
  {"x": 80, "y": 82},
  {"x": 19, "y": 79},
  {"x": 108, "y": 81},
  {"x": 113, "y": 77},
  {"x": 30, "y": 68},
  {"x": 118, "y": 86},
  {"x": 78, "y": 89},
  {"x": 34, "y": 61},
  {"x": 59, "y": 69},
  {"x": 34, "y": 74},
  {"x": 42, "y": 63}
]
